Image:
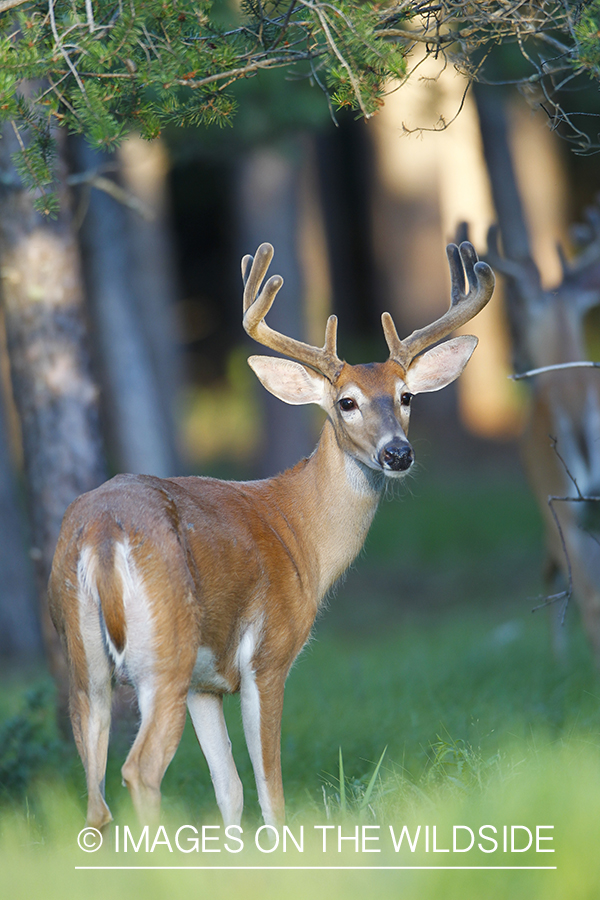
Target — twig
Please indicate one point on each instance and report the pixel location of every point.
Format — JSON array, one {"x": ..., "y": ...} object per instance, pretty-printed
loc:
[
  {"x": 334, "y": 47},
  {"x": 64, "y": 52},
  {"x": 284, "y": 26},
  {"x": 266, "y": 63},
  {"x": 10, "y": 4},
  {"x": 326, "y": 92},
  {"x": 92, "y": 178},
  {"x": 554, "y": 598},
  {"x": 583, "y": 364},
  {"x": 441, "y": 124},
  {"x": 90, "y": 16},
  {"x": 580, "y": 498}
]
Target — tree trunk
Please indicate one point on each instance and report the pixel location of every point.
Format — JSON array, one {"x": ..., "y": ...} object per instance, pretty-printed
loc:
[
  {"x": 269, "y": 211},
  {"x": 145, "y": 169},
  {"x": 560, "y": 444},
  {"x": 19, "y": 631},
  {"x": 54, "y": 392},
  {"x": 138, "y": 422}
]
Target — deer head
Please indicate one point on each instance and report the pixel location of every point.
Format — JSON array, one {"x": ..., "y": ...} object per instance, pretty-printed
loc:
[{"x": 368, "y": 405}]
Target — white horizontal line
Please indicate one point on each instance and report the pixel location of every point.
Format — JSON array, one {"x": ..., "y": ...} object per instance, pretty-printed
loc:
[{"x": 327, "y": 868}]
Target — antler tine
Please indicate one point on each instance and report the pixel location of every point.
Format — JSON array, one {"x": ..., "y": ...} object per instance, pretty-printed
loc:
[
  {"x": 323, "y": 359},
  {"x": 254, "y": 276},
  {"x": 465, "y": 267},
  {"x": 391, "y": 336}
]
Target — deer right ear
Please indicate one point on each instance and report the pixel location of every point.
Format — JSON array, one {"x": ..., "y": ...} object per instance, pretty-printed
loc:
[
  {"x": 289, "y": 381},
  {"x": 439, "y": 366}
]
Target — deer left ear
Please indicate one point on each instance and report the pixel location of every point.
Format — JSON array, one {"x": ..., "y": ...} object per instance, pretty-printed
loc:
[
  {"x": 289, "y": 381},
  {"x": 441, "y": 365}
]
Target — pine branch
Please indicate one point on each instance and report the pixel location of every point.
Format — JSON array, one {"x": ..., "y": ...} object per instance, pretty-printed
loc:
[{"x": 106, "y": 69}]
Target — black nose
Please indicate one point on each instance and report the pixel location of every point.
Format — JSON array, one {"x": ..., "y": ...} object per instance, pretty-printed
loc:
[{"x": 397, "y": 455}]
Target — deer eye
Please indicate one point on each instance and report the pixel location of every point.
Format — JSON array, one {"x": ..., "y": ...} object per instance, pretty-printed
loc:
[
  {"x": 347, "y": 404},
  {"x": 405, "y": 399}
]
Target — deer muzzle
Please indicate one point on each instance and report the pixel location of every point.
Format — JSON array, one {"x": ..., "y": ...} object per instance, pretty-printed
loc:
[{"x": 397, "y": 455}]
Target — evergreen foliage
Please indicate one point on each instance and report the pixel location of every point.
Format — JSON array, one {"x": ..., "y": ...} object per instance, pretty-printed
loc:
[
  {"x": 587, "y": 34},
  {"x": 106, "y": 67}
]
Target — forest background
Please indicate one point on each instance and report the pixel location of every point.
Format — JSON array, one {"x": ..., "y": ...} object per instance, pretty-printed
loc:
[{"x": 359, "y": 172}]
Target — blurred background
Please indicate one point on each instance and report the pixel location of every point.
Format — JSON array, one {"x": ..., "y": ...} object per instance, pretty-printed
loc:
[
  {"x": 359, "y": 213},
  {"x": 429, "y": 646}
]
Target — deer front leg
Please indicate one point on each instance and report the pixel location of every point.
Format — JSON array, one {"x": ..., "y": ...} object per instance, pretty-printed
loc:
[
  {"x": 262, "y": 706},
  {"x": 206, "y": 711}
]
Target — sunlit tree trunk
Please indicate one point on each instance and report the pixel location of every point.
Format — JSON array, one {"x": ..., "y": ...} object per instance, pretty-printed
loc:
[
  {"x": 268, "y": 181},
  {"x": 54, "y": 391},
  {"x": 145, "y": 169}
]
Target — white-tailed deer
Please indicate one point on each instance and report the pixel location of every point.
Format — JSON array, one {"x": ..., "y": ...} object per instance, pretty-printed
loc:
[{"x": 191, "y": 588}]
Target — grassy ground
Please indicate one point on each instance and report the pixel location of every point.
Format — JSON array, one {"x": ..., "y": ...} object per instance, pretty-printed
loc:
[{"x": 428, "y": 651}]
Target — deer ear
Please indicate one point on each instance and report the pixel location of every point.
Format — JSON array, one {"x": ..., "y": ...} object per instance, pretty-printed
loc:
[
  {"x": 439, "y": 366},
  {"x": 289, "y": 381}
]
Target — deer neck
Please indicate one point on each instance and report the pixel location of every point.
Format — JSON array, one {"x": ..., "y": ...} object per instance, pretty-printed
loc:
[{"x": 331, "y": 500}]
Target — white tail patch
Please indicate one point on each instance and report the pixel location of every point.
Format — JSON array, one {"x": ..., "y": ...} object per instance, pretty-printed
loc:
[
  {"x": 91, "y": 622},
  {"x": 136, "y": 661},
  {"x": 138, "y": 657}
]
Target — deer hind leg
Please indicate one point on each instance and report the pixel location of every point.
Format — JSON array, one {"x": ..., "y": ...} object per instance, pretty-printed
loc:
[
  {"x": 162, "y": 708},
  {"x": 157, "y": 658},
  {"x": 90, "y": 703},
  {"x": 206, "y": 711}
]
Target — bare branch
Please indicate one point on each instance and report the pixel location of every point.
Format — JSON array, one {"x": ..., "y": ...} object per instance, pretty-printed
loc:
[
  {"x": 327, "y": 32},
  {"x": 92, "y": 178},
  {"x": 90, "y": 16},
  {"x": 285, "y": 25},
  {"x": 267, "y": 63},
  {"x": 10, "y": 4},
  {"x": 584, "y": 364},
  {"x": 580, "y": 498},
  {"x": 63, "y": 52}
]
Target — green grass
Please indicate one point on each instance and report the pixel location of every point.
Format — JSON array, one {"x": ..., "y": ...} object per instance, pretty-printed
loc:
[
  {"x": 429, "y": 652},
  {"x": 481, "y": 727}
]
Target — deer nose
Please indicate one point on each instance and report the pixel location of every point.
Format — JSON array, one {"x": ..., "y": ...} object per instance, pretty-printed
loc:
[{"x": 397, "y": 455}]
